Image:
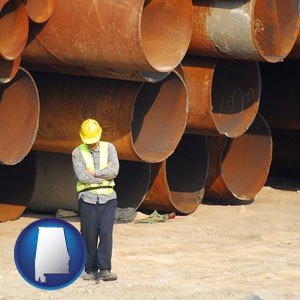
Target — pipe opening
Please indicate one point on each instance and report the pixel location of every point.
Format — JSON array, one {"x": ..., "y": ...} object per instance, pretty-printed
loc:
[
  {"x": 19, "y": 117},
  {"x": 245, "y": 161},
  {"x": 132, "y": 183},
  {"x": 159, "y": 113},
  {"x": 235, "y": 96},
  {"x": 39, "y": 11},
  {"x": 13, "y": 201},
  {"x": 275, "y": 28},
  {"x": 14, "y": 28},
  {"x": 9, "y": 69},
  {"x": 187, "y": 170},
  {"x": 166, "y": 31}
]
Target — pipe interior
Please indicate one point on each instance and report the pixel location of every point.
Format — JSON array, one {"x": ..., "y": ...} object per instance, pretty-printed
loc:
[
  {"x": 246, "y": 160},
  {"x": 275, "y": 28},
  {"x": 19, "y": 117},
  {"x": 235, "y": 96},
  {"x": 159, "y": 118},
  {"x": 14, "y": 27},
  {"x": 132, "y": 183},
  {"x": 40, "y": 11},
  {"x": 17, "y": 184},
  {"x": 187, "y": 170},
  {"x": 8, "y": 69},
  {"x": 166, "y": 32}
]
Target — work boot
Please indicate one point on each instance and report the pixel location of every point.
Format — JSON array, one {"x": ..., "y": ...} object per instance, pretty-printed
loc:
[
  {"x": 106, "y": 275},
  {"x": 89, "y": 275}
]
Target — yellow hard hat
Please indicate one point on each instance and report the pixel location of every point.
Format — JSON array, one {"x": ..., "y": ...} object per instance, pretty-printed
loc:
[{"x": 90, "y": 131}]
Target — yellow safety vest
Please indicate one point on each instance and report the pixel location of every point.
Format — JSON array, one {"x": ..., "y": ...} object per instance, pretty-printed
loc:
[{"x": 106, "y": 186}]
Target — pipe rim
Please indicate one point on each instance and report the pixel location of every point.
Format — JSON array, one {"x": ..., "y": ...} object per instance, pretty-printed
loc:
[
  {"x": 39, "y": 11},
  {"x": 9, "y": 69}
]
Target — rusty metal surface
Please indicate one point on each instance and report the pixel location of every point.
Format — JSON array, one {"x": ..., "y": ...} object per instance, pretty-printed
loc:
[
  {"x": 19, "y": 117},
  {"x": 16, "y": 188},
  {"x": 52, "y": 193},
  {"x": 224, "y": 95},
  {"x": 132, "y": 114},
  {"x": 46, "y": 62},
  {"x": 9, "y": 69},
  {"x": 249, "y": 30},
  {"x": 14, "y": 26},
  {"x": 280, "y": 99},
  {"x": 239, "y": 167},
  {"x": 39, "y": 11},
  {"x": 177, "y": 184},
  {"x": 2, "y": 3},
  {"x": 286, "y": 159},
  {"x": 147, "y": 36}
]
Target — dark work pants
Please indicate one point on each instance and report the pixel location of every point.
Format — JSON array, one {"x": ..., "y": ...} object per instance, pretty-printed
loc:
[{"x": 97, "y": 222}]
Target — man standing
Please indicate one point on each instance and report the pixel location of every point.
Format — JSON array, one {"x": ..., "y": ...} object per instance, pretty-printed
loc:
[{"x": 95, "y": 165}]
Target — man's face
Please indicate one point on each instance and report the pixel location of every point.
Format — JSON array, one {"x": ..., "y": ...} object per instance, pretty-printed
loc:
[{"x": 92, "y": 146}]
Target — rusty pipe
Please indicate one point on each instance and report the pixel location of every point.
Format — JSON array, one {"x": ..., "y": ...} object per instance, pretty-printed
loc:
[
  {"x": 239, "y": 167},
  {"x": 286, "y": 161},
  {"x": 144, "y": 121},
  {"x": 177, "y": 184},
  {"x": 249, "y": 30},
  {"x": 39, "y": 11},
  {"x": 280, "y": 94},
  {"x": 9, "y": 69},
  {"x": 139, "y": 35},
  {"x": 224, "y": 95},
  {"x": 52, "y": 193},
  {"x": 19, "y": 117},
  {"x": 46, "y": 62},
  {"x": 2, "y": 3},
  {"x": 17, "y": 183},
  {"x": 14, "y": 26}
]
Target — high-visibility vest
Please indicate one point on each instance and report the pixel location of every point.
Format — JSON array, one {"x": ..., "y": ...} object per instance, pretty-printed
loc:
[{"x": 106, "y": 186}]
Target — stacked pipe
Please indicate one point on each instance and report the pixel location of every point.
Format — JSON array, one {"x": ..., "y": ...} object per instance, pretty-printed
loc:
[
  {"x": 175, "y": 85},
  {"x": 19, "y": 102}
]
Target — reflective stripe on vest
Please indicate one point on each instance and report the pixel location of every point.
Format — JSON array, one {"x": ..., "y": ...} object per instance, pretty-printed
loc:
[{"x": 89, "y": 163}]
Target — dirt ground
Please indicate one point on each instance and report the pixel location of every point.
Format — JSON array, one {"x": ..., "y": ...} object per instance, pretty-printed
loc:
[{"x": 249, "y": 251}]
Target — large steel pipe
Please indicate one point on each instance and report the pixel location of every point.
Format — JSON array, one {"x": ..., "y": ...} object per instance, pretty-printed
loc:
[
  {"x": 224, "y": 95},
  {"x": 39, "y": 11},
  {"x": 52, "y": 192},
  {"x": 14, "y": 25},
  {"x": 45, "y": 61},
  {"x": 16, "y": 188},
  {"x": 138, "y": 35},
  {"x": 280, "y": 99},
  {"x": 9, "y": 69},
  {"x": 286, "y": 160},
  {"x": 19, "y": 117},
  {"x": 249, "y": 30},
  {"x": 239, "y": 167},
  {"x": 177, "y": 184},
  {"x": 2, "y": 3},
  {"x": 144, "y": 121}
]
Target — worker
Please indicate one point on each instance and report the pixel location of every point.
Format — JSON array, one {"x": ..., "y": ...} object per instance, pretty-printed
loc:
[{"x": 95, "y": 166}]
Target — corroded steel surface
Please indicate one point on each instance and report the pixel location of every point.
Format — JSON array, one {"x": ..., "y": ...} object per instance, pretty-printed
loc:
[
  {"x": 239, "y": 167},
  {"x": 286, "y": 159},
  {"x": 280, "y": 94},
  {"x": 144, "y": 121},
  {"x": 224, "y": 95},
  {"x": 177, "y": 184},
  {"x": 251, "y": 30},
  {"x": 14, "y": 26},
  {"x": 2, "y": 3},
  {"x": 16, "y": 188},
  {"x": 8, "y": 69},
  {"x": 147, "y": 36},
  {"x": 44, "y": 61},
  {"x": 19, "y": 117},
  {"x": 52, "y": 193},
  {"x": 39, "y": 11}
]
